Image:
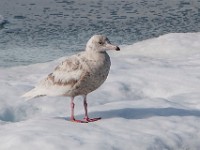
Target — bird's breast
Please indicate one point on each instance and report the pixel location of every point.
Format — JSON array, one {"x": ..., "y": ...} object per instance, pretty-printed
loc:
[
  {"x": 95, "y": 74},
  {"x": 100, "y": 67}
]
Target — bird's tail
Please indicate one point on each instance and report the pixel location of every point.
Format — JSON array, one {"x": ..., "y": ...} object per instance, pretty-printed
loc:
[{"x": 33, "y": 94}]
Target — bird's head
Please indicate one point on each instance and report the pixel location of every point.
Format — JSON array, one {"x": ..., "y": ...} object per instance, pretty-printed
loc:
[{"x": 100, "y": 43}]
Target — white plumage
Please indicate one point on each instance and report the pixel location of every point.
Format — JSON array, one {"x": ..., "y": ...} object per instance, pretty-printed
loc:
[{"x": 80, "y": 74}]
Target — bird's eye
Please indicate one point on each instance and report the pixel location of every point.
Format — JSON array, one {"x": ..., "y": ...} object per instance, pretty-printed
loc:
[{"x": 100, "y": 43}]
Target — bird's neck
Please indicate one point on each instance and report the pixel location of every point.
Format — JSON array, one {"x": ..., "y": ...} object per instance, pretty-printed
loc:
[
  {"x": 96, "y": 55},
  {"x": 92, "y": 50}
]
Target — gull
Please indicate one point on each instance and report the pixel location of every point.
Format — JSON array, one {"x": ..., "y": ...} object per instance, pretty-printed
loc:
[{"x": 78, "y": 75}]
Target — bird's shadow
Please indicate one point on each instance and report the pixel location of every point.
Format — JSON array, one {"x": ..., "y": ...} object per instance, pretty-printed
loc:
[{"x": 141, "y": 113}]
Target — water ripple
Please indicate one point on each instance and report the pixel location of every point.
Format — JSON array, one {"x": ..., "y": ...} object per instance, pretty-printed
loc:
[{"x": 67, "y": 24}]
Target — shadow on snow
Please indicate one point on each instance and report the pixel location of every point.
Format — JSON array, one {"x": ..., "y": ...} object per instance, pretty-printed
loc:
[{"x": 142, "y": 113}]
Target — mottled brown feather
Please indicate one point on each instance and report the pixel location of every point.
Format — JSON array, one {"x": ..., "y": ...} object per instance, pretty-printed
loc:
[{"x": 71, "y": 82}]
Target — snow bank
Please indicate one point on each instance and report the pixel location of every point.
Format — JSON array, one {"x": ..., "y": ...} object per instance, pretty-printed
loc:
[
  {"x": 150, "y": 100},
  {"x": 172, "y": 45}
]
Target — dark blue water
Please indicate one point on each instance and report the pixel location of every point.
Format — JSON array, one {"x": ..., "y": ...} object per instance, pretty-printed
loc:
[{"x": 43, "y": 30}]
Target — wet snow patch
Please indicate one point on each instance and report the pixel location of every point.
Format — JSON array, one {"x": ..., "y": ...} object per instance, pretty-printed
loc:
[{"x": 16, "y": 113}]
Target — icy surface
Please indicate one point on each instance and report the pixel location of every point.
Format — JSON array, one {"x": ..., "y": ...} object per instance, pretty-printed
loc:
[{"x": 151, "y": 100}]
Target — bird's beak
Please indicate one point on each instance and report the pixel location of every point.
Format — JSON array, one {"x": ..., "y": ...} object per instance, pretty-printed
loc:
[{"x": 112, "y": 47}]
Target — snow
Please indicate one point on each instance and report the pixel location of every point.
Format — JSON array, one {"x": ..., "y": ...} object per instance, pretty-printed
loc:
[
  {"x": 2, "y": 20},
  {"x": 150, "y": 100}
]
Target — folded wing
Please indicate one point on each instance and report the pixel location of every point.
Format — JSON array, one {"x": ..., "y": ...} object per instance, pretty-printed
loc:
[{"x": 60, "y": 81}]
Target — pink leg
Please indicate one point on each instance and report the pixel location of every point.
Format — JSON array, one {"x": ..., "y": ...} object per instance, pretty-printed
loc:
[
  {"x": 72, "y": 113},
  {"x": 86, "y": 118}
]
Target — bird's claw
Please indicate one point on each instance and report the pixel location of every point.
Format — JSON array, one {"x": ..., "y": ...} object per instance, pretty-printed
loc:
[
  {"x": 91, "y": 119},
  {"x": 86, "y": 120}
]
